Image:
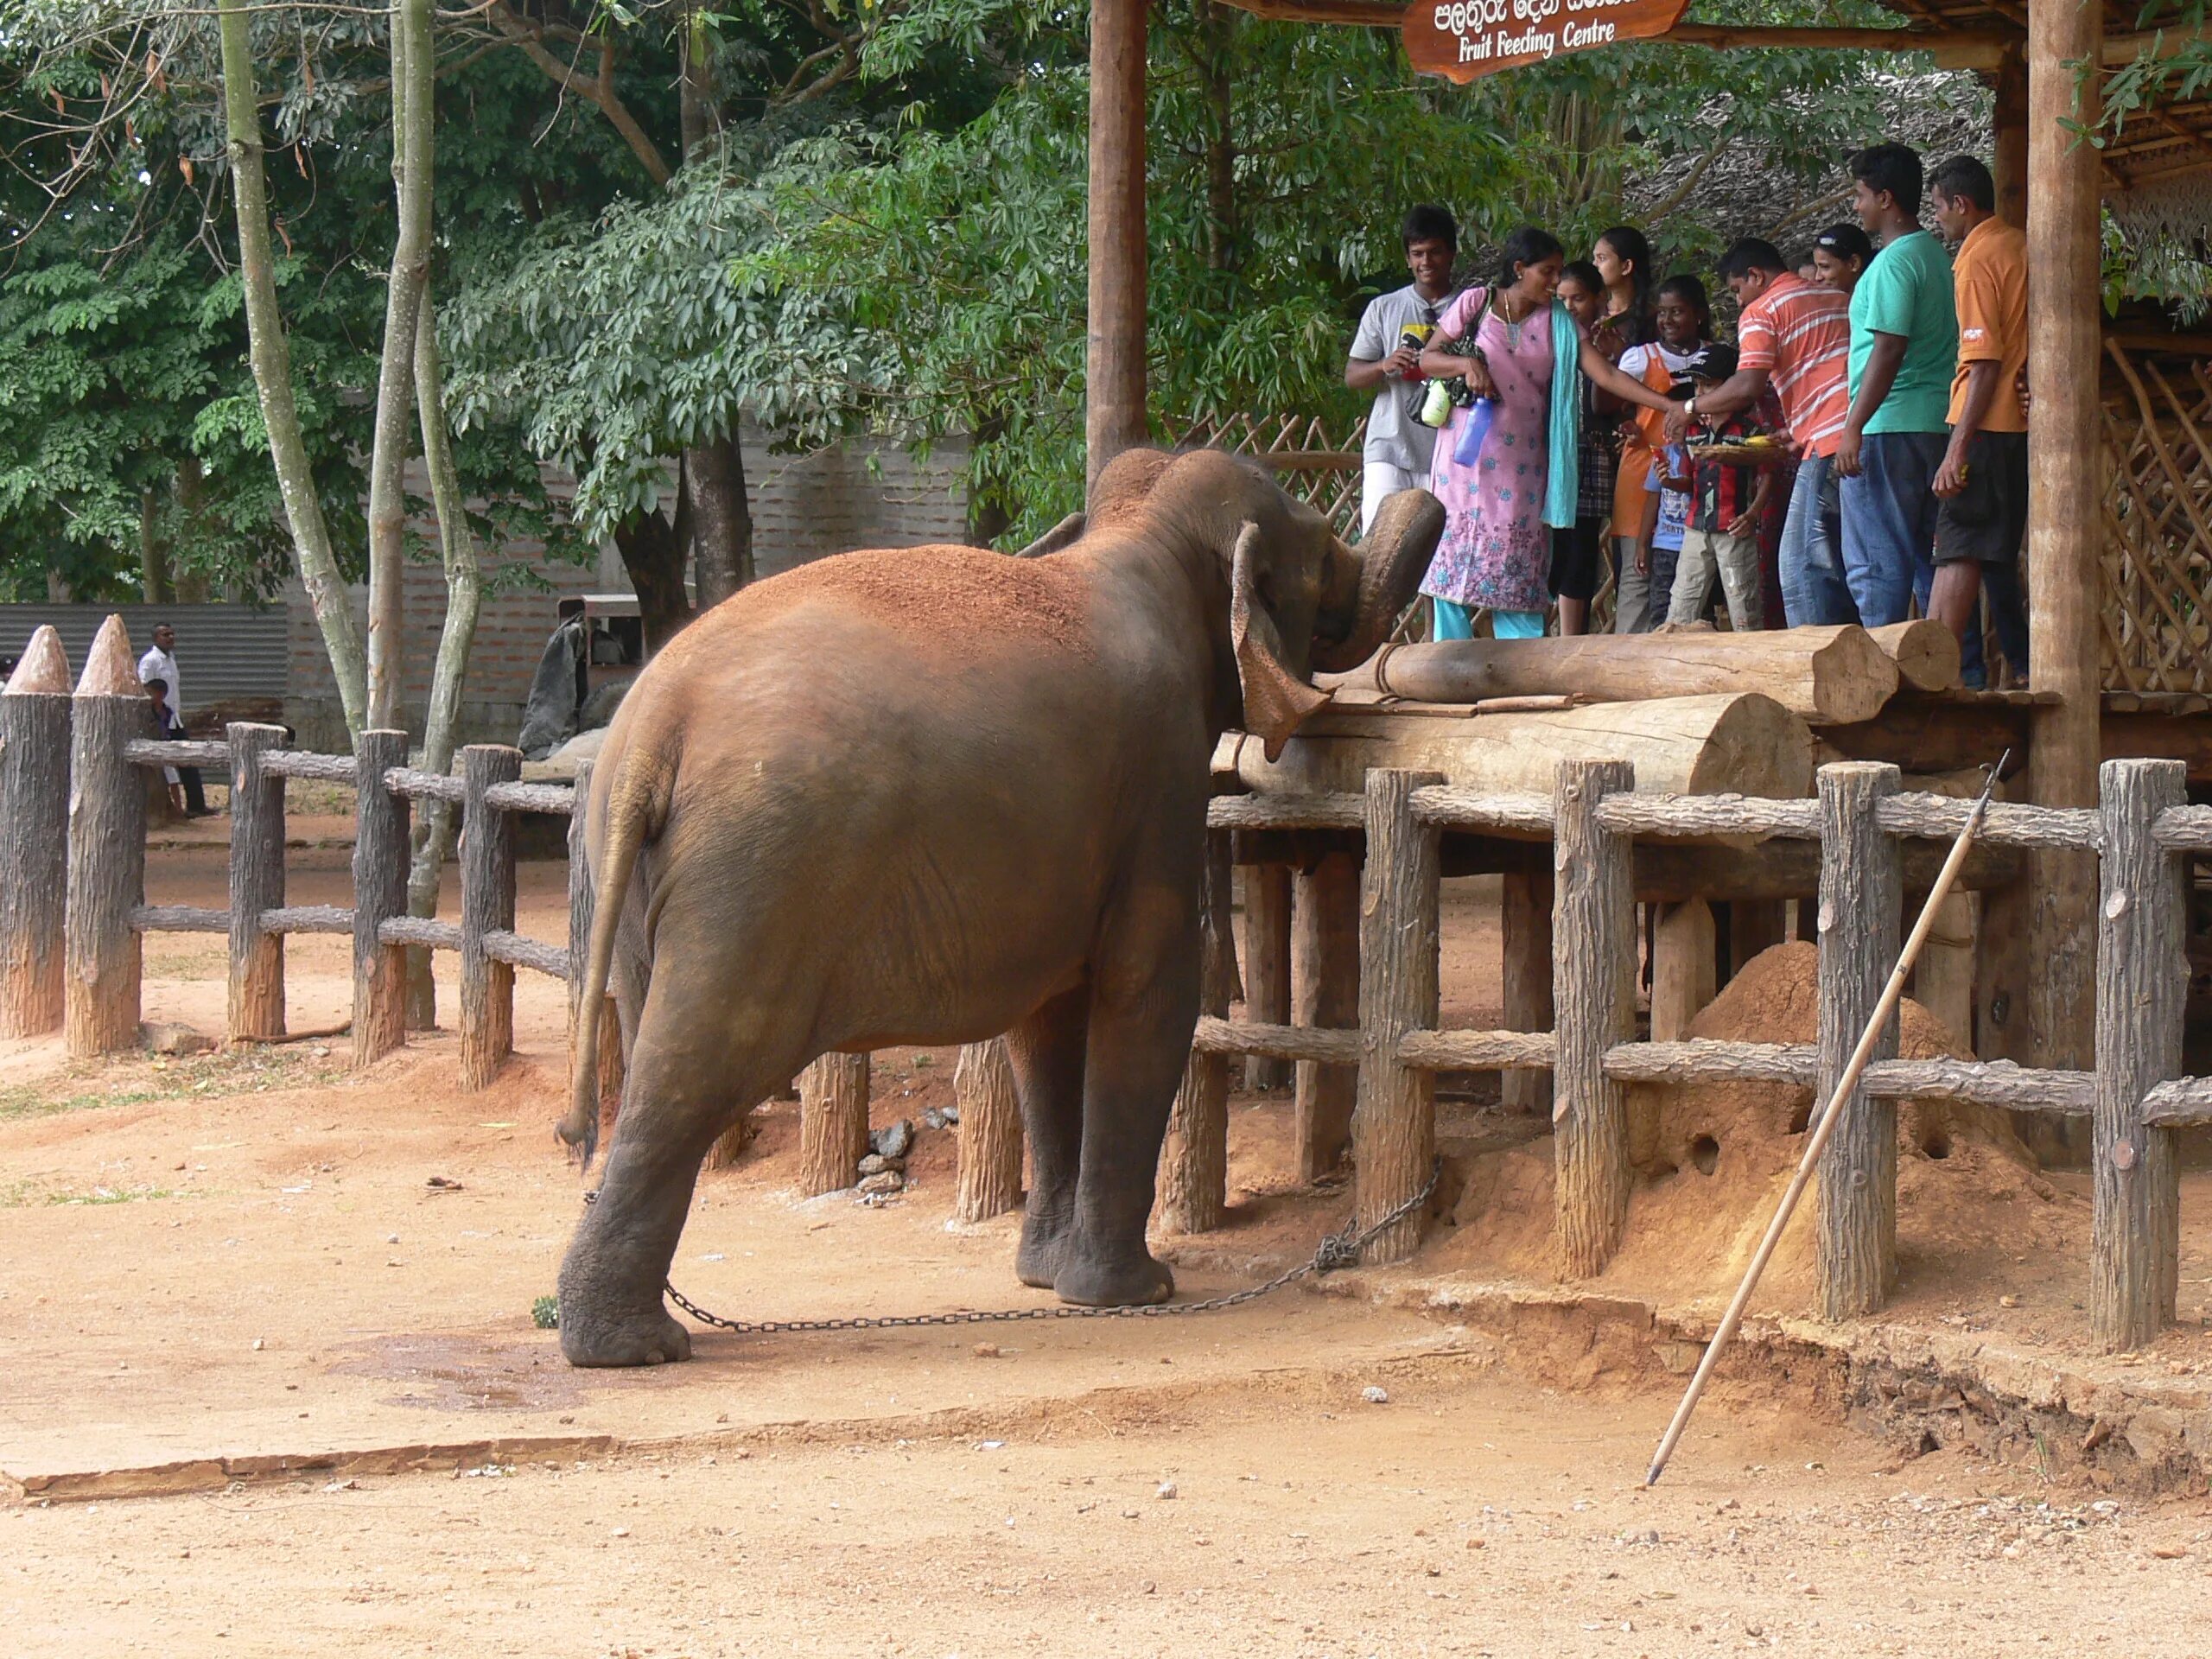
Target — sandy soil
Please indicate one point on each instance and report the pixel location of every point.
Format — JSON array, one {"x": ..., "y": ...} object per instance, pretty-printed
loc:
[{"x": 242, "y": 1257}]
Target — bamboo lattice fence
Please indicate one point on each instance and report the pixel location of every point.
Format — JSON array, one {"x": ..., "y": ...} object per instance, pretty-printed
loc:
[{"x": 2156, "y": 620}]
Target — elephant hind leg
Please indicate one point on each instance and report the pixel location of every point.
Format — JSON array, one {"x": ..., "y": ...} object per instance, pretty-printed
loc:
[
  {"x": 1047, "y": 1053},
  {"x": 695, "y": 1064}
]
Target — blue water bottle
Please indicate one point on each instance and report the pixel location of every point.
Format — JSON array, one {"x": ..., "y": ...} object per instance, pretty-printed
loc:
[{"x": 1472, "y": 434}]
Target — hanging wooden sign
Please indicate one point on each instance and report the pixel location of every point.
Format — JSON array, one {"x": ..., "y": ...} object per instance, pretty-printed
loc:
[{"x": 1463, "y": 38}]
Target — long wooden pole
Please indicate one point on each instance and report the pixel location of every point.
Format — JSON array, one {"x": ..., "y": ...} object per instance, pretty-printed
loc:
[
  {"x": 1114, "y": 406},
  {"x": 1818, "y": 1141}
]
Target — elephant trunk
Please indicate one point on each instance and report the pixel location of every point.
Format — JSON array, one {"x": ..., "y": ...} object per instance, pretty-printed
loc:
[{"x": 1378, "y": 580}]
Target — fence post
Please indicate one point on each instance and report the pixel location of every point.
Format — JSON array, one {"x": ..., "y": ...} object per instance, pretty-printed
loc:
[
  {"x": 990, "y": 1133},
  {"x": 1324, "y": 992},
  {"x": 107, "y": 848},
  {"x": 1267, "y": 965},
  {"x": 1861, "y": 893},
  {"x": 1525, "y": 988},
  {"x": 1393, "y": 1129},
  {"x": 487, "y": 902},
  {"x": 1593, "y": 989},
  {"x": 257, "y": 999},
  {"x": 832, "y": 1122},
  {"x": 2142, "y": 987},
  {"x": 1194, "y": 1161},
  {"x": 583, "y": 899},
  {"x": 1685, "y": 967},
  {"x": 34, "y": 837},
  {"x": 380, "y": 857}
]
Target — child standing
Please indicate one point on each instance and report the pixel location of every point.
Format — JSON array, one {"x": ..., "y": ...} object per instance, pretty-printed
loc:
[
  {"x": 1641, "y": 509},
  {"x": 1578, "y": 554},
  {"x": 168, "y": 728},
  {"x": 1726, "y": 500}
]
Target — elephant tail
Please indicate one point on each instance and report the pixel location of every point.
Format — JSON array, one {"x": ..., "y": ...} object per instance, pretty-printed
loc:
[{"x": 637, "y": 808}]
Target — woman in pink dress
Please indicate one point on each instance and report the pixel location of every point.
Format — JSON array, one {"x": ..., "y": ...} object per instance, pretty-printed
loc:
[{"x": 1529, "y": 358}]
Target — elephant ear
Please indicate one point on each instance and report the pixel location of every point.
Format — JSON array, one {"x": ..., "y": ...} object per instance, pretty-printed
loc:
[{"x": 1276, "y": 702}]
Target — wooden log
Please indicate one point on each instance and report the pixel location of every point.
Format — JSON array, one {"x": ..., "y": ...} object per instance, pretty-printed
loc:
[
  {"x": 1298, "y": 1044},
  {"x": 1997, "y": 1084},
  {"x": 1593, "y": 969},
  {"x": 1710, "y": 816},
  {"x": 1942, "y": 983},
  {"x": 33, "y": 838},
  {"x": 1705, "y": 1060},
  {"x": 1194, "y": 1160},
  {"x": 1114, "y": 413},
  {"x": 1861, "y": 896},
  {"x": 181, "y": 918},
  {"x": 2178, "y": 1103},
  {"x": 198, "y": 752},
  {"x": 308, "y": 919},
  {"x": 990, "y": 1133},
  {"x": 1324, "y": 992},
  {"x": 2142, "y": 991},
  {"x": 2066, "y": 467},
  {"x": 832, "y": 1122},
  {"x": 422, "y": 931},
  {"x": 1748, "y": 744},
  {"x": 583, "y": 899},
  {"x": 1479, "y": 1051},
  {"x": 1827, "y": 675},
  {"x": 520, "y": 950},
  {"x": 1266, "y": 966},
  {"x": 419, "y": 786},
  {"x": 487, "y": 903},
  {"x": 107, "y": 850},
  {"x": 555, "y": 800},
  {"x": 1925, "y": 652},
  {"x": 2009, "y": 141},
  {"x": 1525, "y": 986},
  {"x": 381, "y": 831},
  {"x": 1939, "y": 817},
  {"x": 1685, "y": 970},
  {"x": 1394, "y": 1130},
  {"x": 300, "y": 763},
  {"x": 257, "y": 978}
]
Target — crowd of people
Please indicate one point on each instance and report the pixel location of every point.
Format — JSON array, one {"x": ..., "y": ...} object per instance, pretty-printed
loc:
[{"x": 1858, "y": 452}]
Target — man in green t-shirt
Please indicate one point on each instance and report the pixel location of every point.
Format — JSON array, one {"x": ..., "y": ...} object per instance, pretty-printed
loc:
[{"x": 1904, "y": 344}]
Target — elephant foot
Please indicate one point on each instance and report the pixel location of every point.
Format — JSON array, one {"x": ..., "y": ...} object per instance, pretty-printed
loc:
[
  {"x": 650, "y": 1338},
  {"x": 1120, "y": 1283},
  {"x": 1043, "y": 1253}
]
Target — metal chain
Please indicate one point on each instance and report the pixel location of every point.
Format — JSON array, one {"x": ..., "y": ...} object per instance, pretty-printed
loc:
[{"x": 1338, "y": 1250}]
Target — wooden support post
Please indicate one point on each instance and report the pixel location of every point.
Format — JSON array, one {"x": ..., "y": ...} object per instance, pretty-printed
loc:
[
  {"x": 1114, "y": 399},
  {"x": 990, "y": 1133},
  {"x": 2009, "y": 132},
  {"x": 380, "y": 857},
  {"x": 1685, "y": 970},
  {"x": 2142, "y": 989},
  {"x": 2066, "y": 468},
  {"x": 107, "y": 849},
  {"x": 832, "y": 1123},
  {"x": 487, "y": 902},
  {"x": 33, "y": 838},
  {"x": 1324, "y": 992},
  {"x": 1754, "y": 924},
  {"x": 1942, "y": 983},
  {"x": 1267, "y": 965},
  {"x": 1593, "y": 989},
  {"x": 1525, "y": 985},
  {"x": 583, "y": 897},
  {"x": 1393, "y": 1131},
  {"x": 1861, "y": 894},
  {"x": 1194, "y": 1160},
  {"x": 257, "y": 991}
]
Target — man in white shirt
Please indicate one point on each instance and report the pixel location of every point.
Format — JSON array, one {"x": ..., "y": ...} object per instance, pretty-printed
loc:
[
  {"x": 1386, "y": 360},
  {"x": 160, "y": 663}
]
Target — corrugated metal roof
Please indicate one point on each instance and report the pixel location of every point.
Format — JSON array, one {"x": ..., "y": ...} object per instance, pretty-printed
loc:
[{"x": 222, "y": 650}]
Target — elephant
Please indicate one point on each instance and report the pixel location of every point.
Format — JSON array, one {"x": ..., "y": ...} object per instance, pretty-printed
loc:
[{"x": 932, "y": 795}]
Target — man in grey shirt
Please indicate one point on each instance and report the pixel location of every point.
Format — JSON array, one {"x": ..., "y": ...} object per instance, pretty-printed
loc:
[{"x": 1382, "y": 361}]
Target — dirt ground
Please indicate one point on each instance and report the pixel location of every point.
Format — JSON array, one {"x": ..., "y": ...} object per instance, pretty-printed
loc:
[{"x": 232, "y": 1278}]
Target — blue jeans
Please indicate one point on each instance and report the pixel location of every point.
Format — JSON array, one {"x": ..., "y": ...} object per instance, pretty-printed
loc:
[
  {"x": 1453, "y": 622},
  {"x": 1889, "y": 533},
  {"x": 1814, "y": 592}
]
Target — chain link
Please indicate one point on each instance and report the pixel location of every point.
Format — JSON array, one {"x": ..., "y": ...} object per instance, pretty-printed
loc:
[{"x": 1339, "y": 1249}]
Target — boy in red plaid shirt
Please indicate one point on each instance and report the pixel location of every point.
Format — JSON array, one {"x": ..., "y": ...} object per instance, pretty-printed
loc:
[{"x": 1727, "y": 499}]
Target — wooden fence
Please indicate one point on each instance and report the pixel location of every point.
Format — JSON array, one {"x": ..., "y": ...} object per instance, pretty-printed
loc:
[{"x": 2141, "y": 833}]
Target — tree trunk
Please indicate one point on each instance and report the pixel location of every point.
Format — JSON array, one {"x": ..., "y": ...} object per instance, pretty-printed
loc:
[
  {"x": 1217, "y": 32},
  {"x": 652, "y": 552},
  {"x": 722, "y": 519},
  {"x": 153, "y": 557},
  {"x": 434, "y": 831},
  {"x": 413, "y": 113},
  {"x": 272, "y": 373}
]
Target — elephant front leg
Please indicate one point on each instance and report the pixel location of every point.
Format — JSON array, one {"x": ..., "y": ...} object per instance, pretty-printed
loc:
[
  {"x": 1139, "y": 1041},
  {"x": 1046, "y": 1053}
]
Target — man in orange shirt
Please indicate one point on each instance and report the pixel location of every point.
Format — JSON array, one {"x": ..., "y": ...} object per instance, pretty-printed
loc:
[{"x": 1983, "y": 480}]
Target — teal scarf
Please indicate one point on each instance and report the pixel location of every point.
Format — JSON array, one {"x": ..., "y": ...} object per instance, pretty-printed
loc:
[{"x": 1563, "y": 484}]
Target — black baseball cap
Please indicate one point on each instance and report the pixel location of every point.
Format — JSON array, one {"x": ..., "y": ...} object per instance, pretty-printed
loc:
[{"x": 1713, "y": 361}]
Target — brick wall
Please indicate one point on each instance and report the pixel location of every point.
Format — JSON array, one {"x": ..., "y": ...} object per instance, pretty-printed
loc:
[{"x": 805, "y": 507}]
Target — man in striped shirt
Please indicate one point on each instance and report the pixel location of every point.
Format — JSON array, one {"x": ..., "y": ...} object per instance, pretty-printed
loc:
[{"x": 1795, "y": 338}]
